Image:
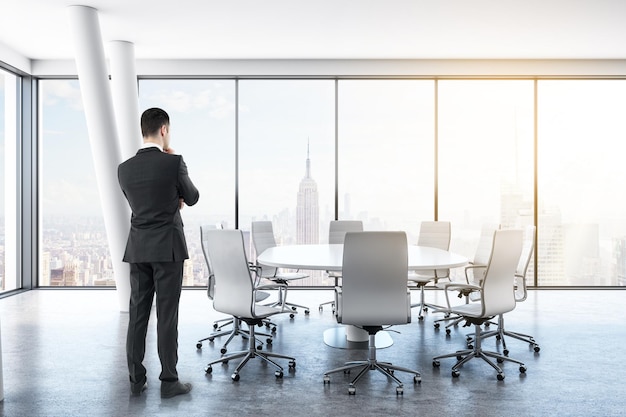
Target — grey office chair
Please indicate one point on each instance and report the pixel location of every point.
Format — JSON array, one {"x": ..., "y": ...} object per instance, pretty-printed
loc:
[
  {"x": 521, "y": 293},
  {"x": 434, "y": 234},
  {"x": 374, "y": 294},
  {"x": 236, "y": 330},
  {"x": 337, "y": 230},
  {"x": 262, "y": 239},
  {"x": 497, "y": 296},
  {"x": 473, "y": 273},
  {"x": 235, "y": 294}
]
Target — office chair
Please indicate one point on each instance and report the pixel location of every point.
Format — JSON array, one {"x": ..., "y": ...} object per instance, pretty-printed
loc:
[
  {"x": 473, "y": 274},
  {"x": 436, "y": 235},
  {"x": 262, "y": 239},
  {"x": 521, "y": 293},
  {"x": 236, "y": 330},
  {"x": 373, "y": 294},
  {"x": 337, "y": 230},
  {"x": 497, "y": 296},
  {"x": 235, "y": 294}
]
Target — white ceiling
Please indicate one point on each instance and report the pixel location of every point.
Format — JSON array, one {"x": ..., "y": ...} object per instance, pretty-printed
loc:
[{"x": 329, "y": 29}]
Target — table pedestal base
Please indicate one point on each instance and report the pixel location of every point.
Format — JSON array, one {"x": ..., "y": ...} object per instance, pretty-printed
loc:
[{"x": 336, "y": 337}]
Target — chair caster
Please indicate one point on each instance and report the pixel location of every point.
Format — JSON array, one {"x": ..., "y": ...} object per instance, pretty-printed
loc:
[
  {"x": 211, "y": 339},
  {"x": 522, "y": 369},
  {"x": 291, "y": 315},
  {"x": 278, "y": 374},
  {"x": 198, "y": 345},
  {"x": 536, "y": 348},
  {"x": 208, "y": 369},
  {"x": 321, "y": 308},
  {"x": 425, "y": 309},
  {"x": 292, "y": 365},
  {"x": 417, "y": 379},
  {"x": 399, "y": 391},
  {"x": 455, "y": 374},
  {"x": 259, "y": 347},
  {"x": 500, "y": 377},
  {"x": 436, "y": 364},
  {"x": 436, "y": 325},
  {"x": 223, "y": 350},
  {"x": 506, "y": 352},
  {"x": 274, "y": 329},
  {"x": 420, "y": 318},
  {"x": 293, "y": 308},
  {"x": 448, "y": 331},
  {"x": 215, "y": 326},
  {"x": 235, "y": 377},
  {"x": 351, "y": 390},
  {"x": 306, "y": 312},
  {"x": 326, "y": 379},
  {"x": 269, "y": 341},
  {"x": 500, "y": 360}
]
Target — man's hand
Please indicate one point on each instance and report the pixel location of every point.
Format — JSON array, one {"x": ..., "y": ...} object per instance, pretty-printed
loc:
[
  {"x": 181, "y": 203},
  {"x": 169, "y": 150}
]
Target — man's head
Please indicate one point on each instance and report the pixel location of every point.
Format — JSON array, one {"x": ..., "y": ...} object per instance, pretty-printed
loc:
[{"x": 155, "y": 126}]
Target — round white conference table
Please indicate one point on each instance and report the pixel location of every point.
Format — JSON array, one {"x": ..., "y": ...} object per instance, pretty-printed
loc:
[{"x": 330, "y": 258}]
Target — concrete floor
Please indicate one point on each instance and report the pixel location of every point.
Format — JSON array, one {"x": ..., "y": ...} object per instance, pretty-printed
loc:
[{"x": 63, "y": 355}]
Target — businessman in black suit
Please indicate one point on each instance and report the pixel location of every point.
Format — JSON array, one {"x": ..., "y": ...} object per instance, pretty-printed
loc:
[{"x": 156, "y": 185}]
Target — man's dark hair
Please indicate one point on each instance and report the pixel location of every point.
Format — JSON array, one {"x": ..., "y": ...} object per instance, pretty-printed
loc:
[{"x": 152, "y": 120}]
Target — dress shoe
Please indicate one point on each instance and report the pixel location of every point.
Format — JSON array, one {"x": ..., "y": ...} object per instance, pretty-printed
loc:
[
  {"x": 138, "y": 388},
  {"x": 172, "y": 389}
]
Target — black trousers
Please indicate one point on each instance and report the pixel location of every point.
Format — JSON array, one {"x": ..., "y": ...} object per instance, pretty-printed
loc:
[{"x": 165, "y": 279}]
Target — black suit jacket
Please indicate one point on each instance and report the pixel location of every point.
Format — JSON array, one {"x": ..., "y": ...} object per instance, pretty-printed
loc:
[{"x": 153, "y": 181}]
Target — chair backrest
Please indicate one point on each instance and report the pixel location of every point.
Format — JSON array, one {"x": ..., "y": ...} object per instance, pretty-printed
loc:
[
  {"x": 482, "y": 254},
  {"x": 374, "y": 290},
  {"x": 498, "y": 284},
  {"x": 436, "y": 234},
  {"x": 338, "y": 228},
  {"x": 520, "y": 274},
  {"x": 211, "y": 280},
  {"x": 263, "y": 238},
  {"x": 233, "y": 282}
]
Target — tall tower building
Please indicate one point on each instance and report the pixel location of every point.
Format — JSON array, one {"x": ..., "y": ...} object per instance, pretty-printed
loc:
[{"x": 307, "y": 210}]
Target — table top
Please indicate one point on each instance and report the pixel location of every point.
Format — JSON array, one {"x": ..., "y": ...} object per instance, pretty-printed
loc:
[{"x": 330, "y": 257}]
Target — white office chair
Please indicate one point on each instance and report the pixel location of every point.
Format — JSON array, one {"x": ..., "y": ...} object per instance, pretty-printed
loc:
[
  {"x": 374, "y": 294},
  {"x": 497, "y": 296},
  {"x": 434, "y": 234},
  {"x": 262, "y": 239},
  {"x": 473, "y": 273},
  {"x": 337, "y": 230},
  {"x": 235, "y": 294},
  {"x": 521, "y": 293},
  {"x": 236, "y": 330}
]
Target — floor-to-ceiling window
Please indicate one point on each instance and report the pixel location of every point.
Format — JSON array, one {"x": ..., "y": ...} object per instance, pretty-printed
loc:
[
  {"x": 74, "y": 250},
  {"x": 399, "y": 144},
  {"x": 386, "y": 153},
  {"x": 9, "y": 93},
  {"x": 581, "y": 176},
  {"x": 486, "y": 142},
  {"x": 202, "y": 123},
  {"x": 287, "y": 159}
]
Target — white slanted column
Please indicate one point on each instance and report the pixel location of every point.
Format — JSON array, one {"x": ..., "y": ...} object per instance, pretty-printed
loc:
[
  {"x": 125, "y": 96},
  {"x": 105, "y": 149}
]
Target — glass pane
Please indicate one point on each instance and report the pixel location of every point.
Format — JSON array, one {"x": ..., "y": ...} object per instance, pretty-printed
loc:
[
  {"x": 485, "y": 158},
  {"x": 74, "y": 250},
  {"x": 9, "y": 277},
  {"x": 202, "y": 118},
  {"x": 386, "y": 153},
  {"x": 287, "y": 159},
  {"x": 581, "y": 147}
]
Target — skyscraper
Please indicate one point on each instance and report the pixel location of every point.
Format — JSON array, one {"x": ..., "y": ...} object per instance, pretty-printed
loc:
[{"x": 307, "y": 210}]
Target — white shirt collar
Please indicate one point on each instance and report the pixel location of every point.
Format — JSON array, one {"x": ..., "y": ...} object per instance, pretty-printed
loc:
[{"x": 151, "y": 145}]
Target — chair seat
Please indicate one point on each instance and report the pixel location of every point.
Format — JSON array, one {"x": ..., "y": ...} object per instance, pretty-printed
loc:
[
  {"x": 287, "y": 276},
  {"x": 419, "y": 278}
]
